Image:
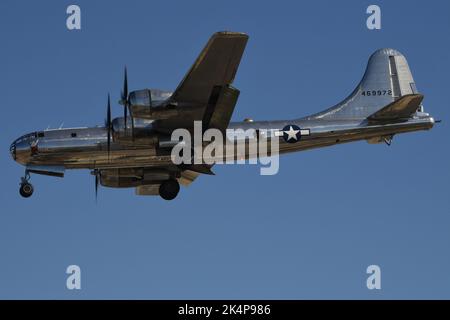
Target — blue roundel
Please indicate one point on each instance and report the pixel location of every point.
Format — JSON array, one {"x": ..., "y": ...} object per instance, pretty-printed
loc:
[{"x": 291, "y": 133}]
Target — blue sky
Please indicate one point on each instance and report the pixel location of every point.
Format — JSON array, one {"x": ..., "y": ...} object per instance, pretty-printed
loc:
[{"x": 308, "y": 232}]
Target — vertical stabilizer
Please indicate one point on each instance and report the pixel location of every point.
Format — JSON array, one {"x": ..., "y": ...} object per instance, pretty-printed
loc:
[{"x": 387, "y": 78}]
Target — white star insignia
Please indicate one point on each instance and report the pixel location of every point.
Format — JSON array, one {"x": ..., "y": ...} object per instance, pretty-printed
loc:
[{"x": 292, "y": 134}]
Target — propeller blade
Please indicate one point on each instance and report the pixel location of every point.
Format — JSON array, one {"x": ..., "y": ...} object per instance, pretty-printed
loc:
[
  {"x": 125, "y": 115},
  {"x": 124, "y": 92},
  {"x": 108, "y": 124},
  {"x": 96, "y": 184},
  {"x": 125, "y": 85},
  {"x": 124, "y": 97},
  {"x": 132, "y": 128}
]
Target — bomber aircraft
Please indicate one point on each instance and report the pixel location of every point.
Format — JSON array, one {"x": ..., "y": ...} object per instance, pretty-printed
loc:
[{"x": 135, "y": 150}]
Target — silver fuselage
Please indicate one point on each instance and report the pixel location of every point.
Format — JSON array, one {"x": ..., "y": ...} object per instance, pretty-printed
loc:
[{"x": 85, "y": 148}]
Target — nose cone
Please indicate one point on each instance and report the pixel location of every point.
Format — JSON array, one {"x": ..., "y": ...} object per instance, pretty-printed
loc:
[{"x": 20, "y": 150}]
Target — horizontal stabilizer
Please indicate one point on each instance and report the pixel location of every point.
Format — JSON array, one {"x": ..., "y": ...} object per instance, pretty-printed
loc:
[{"x": 400, "y": 109}]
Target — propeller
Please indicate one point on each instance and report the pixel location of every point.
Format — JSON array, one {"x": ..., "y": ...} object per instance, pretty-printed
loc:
[
  {"x": 126, "y": 103},
  {"x": 96, "y": 184},
  {"x": 108, "y": 124},
  {"x": 124, "y": 97}
]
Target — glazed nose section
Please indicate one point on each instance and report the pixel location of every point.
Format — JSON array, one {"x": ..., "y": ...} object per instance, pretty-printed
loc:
[
  {"x": 12, "y": 150},
  {"x": 20, "y": 150}
]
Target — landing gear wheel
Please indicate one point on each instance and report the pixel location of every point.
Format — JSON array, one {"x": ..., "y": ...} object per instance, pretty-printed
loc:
[
  {"x": 169, "y": 189},
  {"x": 26, "y": 189}
]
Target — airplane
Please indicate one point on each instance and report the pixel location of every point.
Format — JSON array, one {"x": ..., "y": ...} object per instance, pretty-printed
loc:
[{"x": 134, "y": 151}]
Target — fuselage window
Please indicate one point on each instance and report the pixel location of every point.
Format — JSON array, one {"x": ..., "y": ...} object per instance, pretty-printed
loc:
[{"x": 73, "y": 134}]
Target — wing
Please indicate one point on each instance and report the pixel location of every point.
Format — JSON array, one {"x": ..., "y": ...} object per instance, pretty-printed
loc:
[
  {"x": 216, "y": 65},
  {"x": 205, "y": 93}
]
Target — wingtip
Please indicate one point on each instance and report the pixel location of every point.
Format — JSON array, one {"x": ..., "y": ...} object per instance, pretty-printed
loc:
[{"x": 231, "y": 34}]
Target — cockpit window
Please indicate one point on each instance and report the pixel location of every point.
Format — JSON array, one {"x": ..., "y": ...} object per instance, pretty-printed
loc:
[
  {"x": 26, "y": 136},
  {"x": 40, "y": 134}
]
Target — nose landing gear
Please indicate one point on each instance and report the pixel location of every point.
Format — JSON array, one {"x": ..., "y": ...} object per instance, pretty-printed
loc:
[{"x": 26, "y": 188}]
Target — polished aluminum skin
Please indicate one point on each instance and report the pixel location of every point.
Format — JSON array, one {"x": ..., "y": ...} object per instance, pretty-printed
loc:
[{"x": 137, "y": 153}]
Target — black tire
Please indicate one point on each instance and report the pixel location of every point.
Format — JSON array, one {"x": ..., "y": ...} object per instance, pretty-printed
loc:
[
  {"x": 168, "y": 190},
  {"x": 26, "y": 190}
]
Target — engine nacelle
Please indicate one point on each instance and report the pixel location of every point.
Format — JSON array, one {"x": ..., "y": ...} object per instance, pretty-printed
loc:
[
  {"x": 141, "y": 133},
  {"x": 151, "y": 104}
]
